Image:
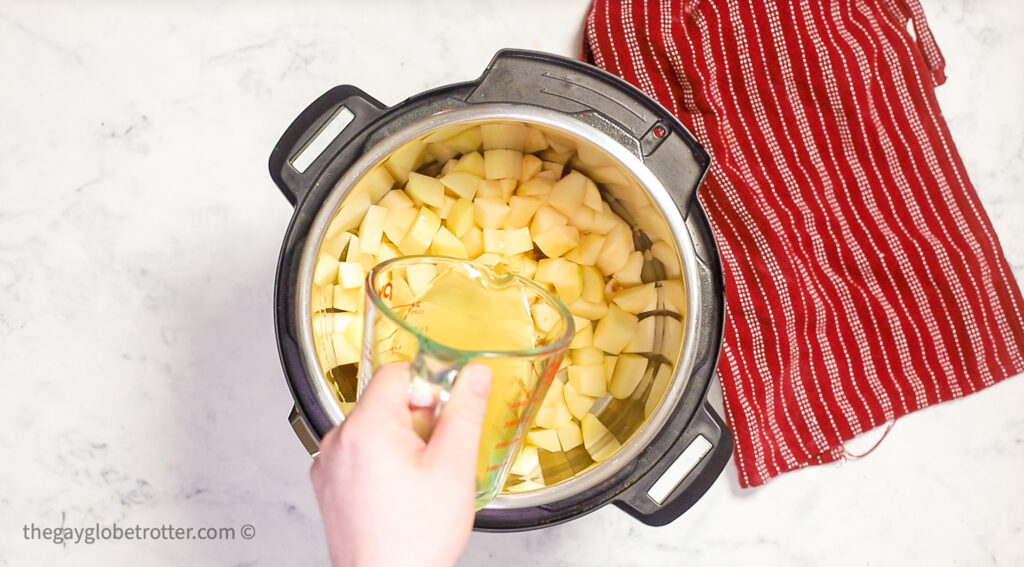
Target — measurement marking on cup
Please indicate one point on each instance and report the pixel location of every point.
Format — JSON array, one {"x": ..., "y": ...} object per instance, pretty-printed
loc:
[{"x": 503, "y": 444}]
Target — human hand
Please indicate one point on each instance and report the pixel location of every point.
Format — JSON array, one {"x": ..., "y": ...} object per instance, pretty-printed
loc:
[{"x": 389, "y": 498}]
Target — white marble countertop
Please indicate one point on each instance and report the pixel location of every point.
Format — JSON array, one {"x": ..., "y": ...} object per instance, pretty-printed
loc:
[{"x": 139, "y": 233}]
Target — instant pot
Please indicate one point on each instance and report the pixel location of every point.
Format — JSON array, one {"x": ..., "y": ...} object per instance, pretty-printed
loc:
[{"x": 643, "y": 159}]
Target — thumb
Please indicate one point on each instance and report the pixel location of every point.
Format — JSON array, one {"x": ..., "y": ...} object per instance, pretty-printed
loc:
[{"x": 456, "y": 437}]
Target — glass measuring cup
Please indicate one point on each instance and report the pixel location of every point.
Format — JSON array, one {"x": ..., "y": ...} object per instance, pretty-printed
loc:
[{"x": 440, "y": 313}]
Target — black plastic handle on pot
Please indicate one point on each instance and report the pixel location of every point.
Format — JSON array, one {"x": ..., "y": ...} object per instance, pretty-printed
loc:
[{"x": 316, "y": 135}]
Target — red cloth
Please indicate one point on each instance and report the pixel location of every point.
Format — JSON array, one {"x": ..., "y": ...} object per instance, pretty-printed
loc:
[{"x": 863, "y": 278}]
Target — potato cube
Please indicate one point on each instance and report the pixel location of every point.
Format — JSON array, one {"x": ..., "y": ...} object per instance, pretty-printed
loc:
[
  {"x": 503, "y": 164},
  {"x": 587, "y": 309},
  {"x": 474, "y": 241},
  {"x": 672, "y": 296},
  {"x": 668, "y": 258},
  {"x": 490, "y": 213},
  {"x": 387, "y": 251},
  {"x": 609, "y": 367},
  {"x": 658, "y": 388},
  {"x": 508, "y": 187},
  {"x": 558, "y": 240},
  {"x": 348, "y": 299},
  {"x": 354, "y": 332},
  {"x": 375, "y": 183},
  {"x": 460, "y": 218},
  {"x": 445, "y": 209},
  {"x": 462, "y": 183},
  {"x": 615, "y": 330},
  {"x": 584, "y": 336},
  {"x": 439, "y": 152},
  {"x": 629, "y": 274},
  {"x": 349, "y": 215},
  {"x": 568, "y": 193},
  {"x": 615, "y": 253},
  {"x": 570, "y": 436},
  {"x": 398, "y": 223},
  {"x": 535, "y": 141},
  {"x": 545, "y": 219},
  {"x": 344, "y": 352},
  {"x": 637, "y": 299},
  {"x": 395, "y": 199},
  {"x": 643, "y": 340},
  {"x": 629, "y": 370},
  {"x": 592, "y": 196},
  {"x": 599, "y": 442},
  {"x": 472, "y": 162},
  {"x": 578, "y": 404},
  {"x": 490, "y": 189},
  {"x": 537, "y": 186},
  {"x": 525, "y": 461},
  {"x": 553, "y": 413},
  {"x": 566, "y": 277},
  {"x": 605, "y": 222},
  {"x": 545, "y": 317},
  {"x": 517, "y": 241},
  {"x": 447, "y": 244},
  {"x": 419, "y": 277},
  {"x": 546, "y": 439},
  {"x": 422, "y": 232},
  {"x": 335, "y": 245},
  {"x": 583, "y": 219},
  {"x": 588, "y": 250},
  {"x": 588, "y": 355},
  {"x": 508, "y": 135},
  {"x": 425, "y": 189},
  {"x": 494, "y": 242},
  {"x": 593, "y": 284},
  {"x": 326, "y": 270},
  {"x": 588, "y": 379},
  {"x": 405, "y": 159},
  {"x": 531, "y": 166},
  {"x": 350, "y": 275},
  {"x": 372, "y": 229},
  {"x": 521, "y": 210},
  {"x": 466, "y": 141}
]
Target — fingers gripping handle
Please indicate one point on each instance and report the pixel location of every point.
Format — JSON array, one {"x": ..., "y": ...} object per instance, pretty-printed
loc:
[{"x": 325, "y": 126}]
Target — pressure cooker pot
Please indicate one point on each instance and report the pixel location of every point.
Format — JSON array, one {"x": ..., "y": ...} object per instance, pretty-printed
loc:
[{"x": 348, "y": 162}]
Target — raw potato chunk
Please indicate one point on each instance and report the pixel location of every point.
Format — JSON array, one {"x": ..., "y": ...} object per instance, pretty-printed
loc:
[
  {"x": 503, "y": 164},
  {"x": 658, "y": 388},
  {"x": 421, "y": 233},
  {"x": 588, "y": 380},
  {"x": 398, "y": 222},
  {"x": 490, "y": 212},
  {"x": 347, "y": 299},
  {"x": 525, "y": 462},
  {"x": 544, "y": 316},
  {"x": 472, "y": 162},
  {"x": 461, "y": 183},
  {"x": 643, "y": 340},
  {"x": 629, "y": 370},
  {"x": 447, "y": 244},
  {"x": 376, "y": 183},
  {"x": 350, "y": 275},
  {"x": 558, "y": 240},
  {"x": 460, "y": 218},
  {"x": 466, "y": 141},
  {"x": 504, "y": 136},
  {"x": 521, "y": 211},
  {"x": 579, "y": 405},
  {"x": 395, "y": 199},
  {"x": 553, "y": 413},
  {"x": 349, "y": 215},
  {"x": 615, "y": 330},
  {"x": 599, "y": 442},
  {"x": 616, "y": 250},
  {"x": 570, "y": 436},
  {"x": 546, "y": 439},
  {"x": 637, "y": 299},
  {"x": 344, "y": 352},
  {"x": 326, "y": 270},
  {"x": 405, "y": 159},
  {"x": 629, "y": 274},
  {"x": 568, "y": 193},
  {"x": 372, "y": 229},
  {"x": 588, "y": 250},
  {"x": 425, "y": 189}
]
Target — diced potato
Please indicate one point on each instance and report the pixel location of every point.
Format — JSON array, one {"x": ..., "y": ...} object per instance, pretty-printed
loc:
[
  {"x": 537, "y": 186},
  {"x": 371, "y": 229},
  {"x": 395, "y": 199},
  {"x": 599, "y": 442},
  {"x": 490, "y": 189},
  {"x": 474, "y": 241},
  {"x": 588, "y": 250},
  {"x": 344, "y": 352},
  {"x": 629, "y": 370},
  {"x": 629, "y": 274},
  {"x": 578, "y": 404},
  {"x": 398, "y": 223},
  {"x": 609, "y": 367},
  {"x": 375, "y": 183},
  {"x": 583, "y": 219},
  {"x": 462, "y": 183},
  {"x": 508, "y": 187},
  {"x": 426, "y": 189},
  {"x": 584, "y": 336},
  {"x": 566, "y": 277},
  {"x": 503, "y": 164},
  {"x": 531, "y": 166},
  {"x": 588, "y": 355},
  {"x": 419, "y": 277},
  {"x": 401, "y": 293},
  {"x": 439, "y": 152},
  {"x": 525, "y": 462},
  {"x": 387, "y": 251},
  {"x": 335, "y": 245},
  {"x": 348, "y": 299},
  {"x": 490, "y": 213},
  {"x": 325, "y": 271},
  {"x": 504, "y": 135},
  {"x": 658, "y": 388},
  {"x": 615, "y": 253},
  {"x": 545, "y": 219},
  {"x": 445, "y": 209},
  {"x": 460, "y": 218},
  {"x": 553, "y": 413},
  {"x": 593, "y": 284},
  {"x": 615, "y": 330},
  {"x": 350, "y": 275},
  {"x": 447, "y": 244},
  {"x": 664, "y": 252},
  {"x": 546, "y": 439},
  {"x": 605, "y": 222},
  {"x": 422, "y": 232},
  {"x": 568, "y": 193},
  {"x": 592, "y": 310},
  {"x": 588, "y": 379},
  {"x": 521, "y": 211},
  {"x": 535, "y": 141},
  {"x": 405, "y": 159},
  {"x": 643, "y": 340},
  {"x": 671, "y": 338},
  {"x": 473, "y": 162},
  {"x": 672, "y": 296},
  {"x": 329, "y": 322},
  {"x": 570, "y": 436},
  {"x": 354, "y": 333},
  {"x": 544, "y": 316},
  {"x": 591, "y": 195},
  {"x": 637, "y": 299},
  {"x": 517, "y": 241},
  {"x": 349, "y": 215},
  {"x": 494, "y": 243},
  {"x": 466, "y": 141},
  {"x": 557, "y": 240},
  {"x": 444, "y": 133}
]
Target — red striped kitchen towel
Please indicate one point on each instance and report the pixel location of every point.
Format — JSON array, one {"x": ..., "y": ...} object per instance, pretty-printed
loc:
[{"x": 863, "y": 278}]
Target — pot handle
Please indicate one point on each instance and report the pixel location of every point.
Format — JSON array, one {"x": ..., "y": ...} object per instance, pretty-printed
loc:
[
  {"x": 686, "y": 471},
  {"x": 326, "y": 125}
]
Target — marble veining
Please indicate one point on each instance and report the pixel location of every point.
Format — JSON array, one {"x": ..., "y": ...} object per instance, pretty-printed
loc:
[{"x": 139, "y": 233}]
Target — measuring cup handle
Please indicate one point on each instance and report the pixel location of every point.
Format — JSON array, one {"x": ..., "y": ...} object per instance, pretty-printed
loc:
[{"x": 430, "y": 375}]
